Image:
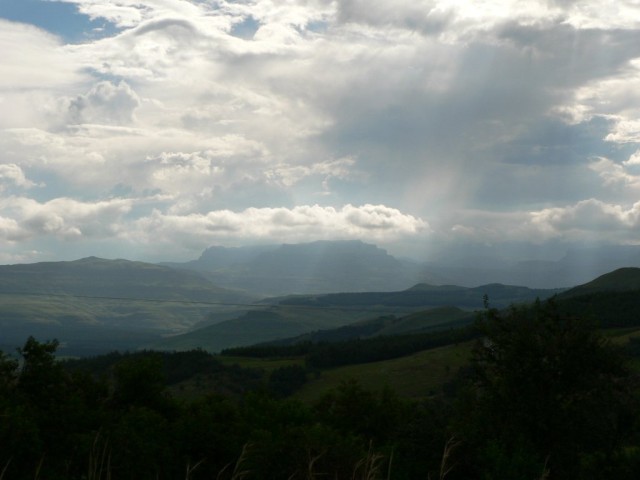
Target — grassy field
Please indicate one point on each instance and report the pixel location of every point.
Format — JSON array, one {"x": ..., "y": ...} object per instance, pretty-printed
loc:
[
  {"x": 266, "y": 364},
  {"x": 420, "y": 375}
]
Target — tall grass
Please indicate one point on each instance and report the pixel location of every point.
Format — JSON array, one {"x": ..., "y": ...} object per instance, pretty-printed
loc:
[
  {"x": 238, "y": 473},
  {"x": 4, "y": 469},
  {"x": 369, "y": 467},
  {"x": 99, "y": 459},
  {"x": 445, "y": 464}
]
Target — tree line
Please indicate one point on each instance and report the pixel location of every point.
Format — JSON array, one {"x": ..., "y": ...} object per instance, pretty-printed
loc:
[{"x": 545, "y": 396}]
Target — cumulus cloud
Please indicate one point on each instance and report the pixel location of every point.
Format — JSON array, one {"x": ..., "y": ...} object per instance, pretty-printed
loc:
[
  {"x": 590, "y": 219},
  {"x": 32, "y": 58},
  {"x": 633, "y": 160},
  {"x": 13, "y": 174},
  {"x": 587, "y": 214},
  {"x": 428, "y": 17},
  {"x": 106, "y": 103},
  {"x": 469, "y": 114},
  {"x": 289, "y": 175},
  {"x": 301, "y": 223},
  {"x": 615, "y": 174},
  {"x": 25, "y": 219}
]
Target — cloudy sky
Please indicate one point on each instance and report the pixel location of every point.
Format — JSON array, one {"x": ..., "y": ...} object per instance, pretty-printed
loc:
[{"x": 151, "y": 129}]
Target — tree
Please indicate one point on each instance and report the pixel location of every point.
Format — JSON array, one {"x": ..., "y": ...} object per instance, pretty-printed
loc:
[
  {"x": 41, "y": 377},
  {"x": 140, "y": 381},
  {"x": 8, "y": 374},
  {"x": 550, "y": 392}
]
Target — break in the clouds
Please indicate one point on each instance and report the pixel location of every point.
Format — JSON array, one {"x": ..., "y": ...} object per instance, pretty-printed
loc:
[{"x": 166, "y": 126}]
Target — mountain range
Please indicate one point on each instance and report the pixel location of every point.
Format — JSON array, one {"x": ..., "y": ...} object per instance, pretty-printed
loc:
[
  {"x": 99, "y": 304},
  {"x": 316, "y": 267},
  {"x": 355, "y": 266},
  {"x": 230, "y": 297}
]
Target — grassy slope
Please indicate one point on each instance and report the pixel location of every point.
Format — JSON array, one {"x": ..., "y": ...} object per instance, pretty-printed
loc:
[
  {"x": 424, "y": 296},
  {"x": 147, "y": 296},
  {"x": 87, "y": 304},
  {"x": 260, "y": 326},
  {"x": 108, "y": 278},
  {"x": 620, "y": 280},
  {"x": 418, "y": 375},
  {"x": 300, "y": 315},
  {"x": 427, "y": 320}
]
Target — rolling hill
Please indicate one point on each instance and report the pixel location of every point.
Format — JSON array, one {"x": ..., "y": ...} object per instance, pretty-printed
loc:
[
  {"x": 105, "y": 304},
  {"x": 620, "y": 280},
  {"x": 611, "y": 300},
  {"x": 349, "y": 315}
]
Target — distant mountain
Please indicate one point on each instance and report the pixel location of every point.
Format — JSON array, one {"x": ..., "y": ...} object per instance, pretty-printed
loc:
[
  {"x": 94, "y": 276},
  {"x": 351, "y": 314},
  {"x": 217, "y": 257},
  {"x": 620, "y": 280},
  {"x": 426, "y": 295},
  {"x": 317, "y": 267},
  {"x": 106, "y": 304},
  {"x": 418, "y": 322},
  {"x": 579, "y": 265},
  {"x": 355, "y": 266}
]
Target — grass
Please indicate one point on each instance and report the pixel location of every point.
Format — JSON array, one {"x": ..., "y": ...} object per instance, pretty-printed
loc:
[
  {"x": 420, "y": 375},
  {"x": 266, "y": 364}
]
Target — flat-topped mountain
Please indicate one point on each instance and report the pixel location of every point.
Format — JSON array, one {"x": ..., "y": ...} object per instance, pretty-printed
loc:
[{"x": 316, "y": 267}]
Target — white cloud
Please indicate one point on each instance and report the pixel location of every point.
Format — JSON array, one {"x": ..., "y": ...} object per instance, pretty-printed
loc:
[
  {"x": 433, "y": 106},
  {"x": 615, "y": 174},
  {"x": 590, "y": 220},
  {"x": 289, "y": 175},
  {"x": 105, "y": 103},
  {"x": 25, "y": 219},
  {"x": 32, "y": 58},
  {"x": 626, "y": 131},
  {"x": 301, "y": 223},
  {"x": 13, "y": 174},
  {"x": 633, "y": 160}
]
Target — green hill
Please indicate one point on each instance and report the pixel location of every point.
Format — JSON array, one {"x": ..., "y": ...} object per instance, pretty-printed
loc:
[
  {"x": 428, "y": 320},
  {"x": 257, "y": 326},
  {"x": 611, "y": 300},
  {"x": 419, "y": 322},
  {"x": 425, "y": 295},
  {"x": 343, "y": 316},
  {"x": 88, "y": 304},
  {"x": 110, "y": 278},
  {"x": 620, "y": 280}
]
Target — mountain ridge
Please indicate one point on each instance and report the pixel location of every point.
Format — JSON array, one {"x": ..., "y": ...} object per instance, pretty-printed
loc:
[{"x": 315, "y": 267}]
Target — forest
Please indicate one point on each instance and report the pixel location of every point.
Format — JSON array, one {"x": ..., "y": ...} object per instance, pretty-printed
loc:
[{"x": 545, "y": 395}]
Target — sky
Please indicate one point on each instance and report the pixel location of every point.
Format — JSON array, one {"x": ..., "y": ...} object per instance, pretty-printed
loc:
[{"x": 152, "y": 129}]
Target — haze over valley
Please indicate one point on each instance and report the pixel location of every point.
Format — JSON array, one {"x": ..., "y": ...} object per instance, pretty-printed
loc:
[{"x": 240, "y": 296}]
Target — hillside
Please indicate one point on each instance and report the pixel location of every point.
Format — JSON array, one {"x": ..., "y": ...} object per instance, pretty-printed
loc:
[
  {"x": 257, "y": 326},
  {"x": 101, "y": 304},
  {"x": 611, "y": 300},
  {"x": 422, "y": 321},
  {"x": 425, "y": 295},
  {"x": 94, "y": 276},
  {"x": 351, "y": 315},
  {"x": 316, "y": 267},
  {"x": 620, "y": 280}
]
